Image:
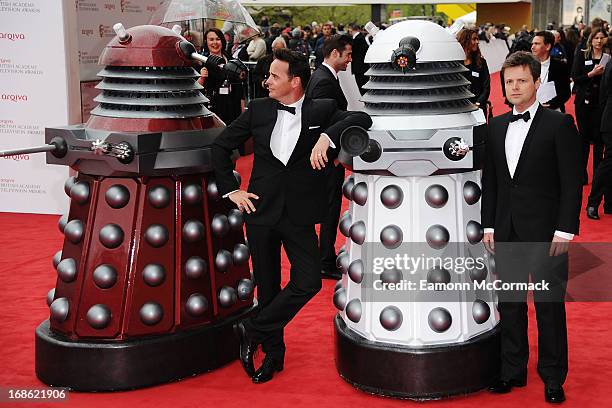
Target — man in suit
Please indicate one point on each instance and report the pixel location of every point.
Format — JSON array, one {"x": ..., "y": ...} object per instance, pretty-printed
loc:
[
  {"x": 324, "y": 84},
  {"x": 531, "y": 202},
  {"x": 326, "y": 32},
  {"x": 553, "y": 70},
  {"x": 294, "y": 138},
  {"x": 602, "y": 179},
  {"x": 360, "y": 48}
]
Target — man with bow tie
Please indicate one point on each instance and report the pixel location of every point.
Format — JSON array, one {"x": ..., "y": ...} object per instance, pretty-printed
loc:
[
  {"x": 531, "y": 198},
  {"x": 294, "y": 138}
]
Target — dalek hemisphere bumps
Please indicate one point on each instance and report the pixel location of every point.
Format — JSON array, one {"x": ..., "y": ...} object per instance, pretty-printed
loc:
[
  {"x": 415, "y": 191},
  {"x": 154, "y": 267}
]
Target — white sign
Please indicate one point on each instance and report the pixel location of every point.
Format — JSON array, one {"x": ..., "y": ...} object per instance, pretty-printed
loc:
[
  {"x": 95, "y": 27},
  {"x": 38, "y": 89}
]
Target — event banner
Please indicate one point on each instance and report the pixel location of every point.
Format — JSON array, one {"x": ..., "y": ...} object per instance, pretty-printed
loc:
[
  {"x": 96, "y": 19},
  {"x": 38, "y": 89}
]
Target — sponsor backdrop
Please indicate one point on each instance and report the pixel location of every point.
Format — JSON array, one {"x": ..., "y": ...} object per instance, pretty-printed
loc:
[
  {"x": 37, "y": 59},
  {"x": 96, "y": 19}
]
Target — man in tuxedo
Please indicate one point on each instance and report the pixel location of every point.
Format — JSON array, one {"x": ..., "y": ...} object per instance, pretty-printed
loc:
[
  {"x": 553, "y": 69},
  {"x": 324, "y": 84},
  {"x": 360, "y": 48},
  {"x": 531, "y": 198},
  {"x": 294, "y": 139}
]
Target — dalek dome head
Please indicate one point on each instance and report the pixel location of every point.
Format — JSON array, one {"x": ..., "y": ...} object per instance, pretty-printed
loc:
[
  {"x": 429, "y": 41},
  {"x": 416, "y": 69},
  {"x": 149, "y": 84},
  {"x": 144, "y": 46}
]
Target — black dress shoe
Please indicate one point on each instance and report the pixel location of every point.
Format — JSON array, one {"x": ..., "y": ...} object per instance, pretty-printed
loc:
[
  {"x": 247, "y": 348},
  {"x": 505, "y": 386},
  {"x": 554, "y": 395},
  {"x": 331, "y": 274},
  {"x": 265, "y": 373},
  {"x": 591, "y": 212}
]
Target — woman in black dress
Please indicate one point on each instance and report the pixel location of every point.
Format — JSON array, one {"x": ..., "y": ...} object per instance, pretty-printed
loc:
[
  {"x": 226, "y": 96},
  {"x": 586, "y": 74},
  {"x": 478, "y": 73}
]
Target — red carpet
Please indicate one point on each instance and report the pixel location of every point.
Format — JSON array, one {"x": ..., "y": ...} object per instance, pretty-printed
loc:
[{"x": 28, "y": 242}]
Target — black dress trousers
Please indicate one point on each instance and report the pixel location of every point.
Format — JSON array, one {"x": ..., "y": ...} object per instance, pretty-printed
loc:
[
  {"x": 516, "y": 261},
  {"x": 602, "y": 179},
  {"x": 278, "y": 306},
  {"x": 329, "y": 227}
]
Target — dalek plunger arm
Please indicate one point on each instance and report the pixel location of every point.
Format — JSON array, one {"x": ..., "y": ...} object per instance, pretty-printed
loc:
[
  {"x": 57, "y": 147},
  {"x": 234, "y": 69}
]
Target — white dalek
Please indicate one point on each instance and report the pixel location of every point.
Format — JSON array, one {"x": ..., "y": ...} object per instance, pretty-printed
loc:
[{"x": 418, "y": 315}]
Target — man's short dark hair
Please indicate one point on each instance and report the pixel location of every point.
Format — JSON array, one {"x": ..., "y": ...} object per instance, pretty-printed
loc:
[
  {"x": 549, "y": 38},
  {"x": 523, "y": 58},
  {"x": 355, "y": 26},
  {"x": 298, "y": 64},
  {"x": 336, "y": 42}
]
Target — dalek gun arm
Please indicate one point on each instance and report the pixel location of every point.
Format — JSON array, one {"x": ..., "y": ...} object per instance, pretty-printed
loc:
[
  {"x": 234, "y": 69},
  {"x": 355, "y": 142},
  {"x": 57, "y": 146}
]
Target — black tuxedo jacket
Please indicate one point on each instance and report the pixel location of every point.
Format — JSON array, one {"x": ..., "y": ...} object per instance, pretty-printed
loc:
[
  {"x": 360, "y": 47},
  {"x": 605, "y": 99},
  {"x": 297, "y": 186},
  {"x": 323, "y": 84},
  {"x": 545, "y": 193},
  {"x": 586, "y": 89},
  {"x": 558, "y": 72}
]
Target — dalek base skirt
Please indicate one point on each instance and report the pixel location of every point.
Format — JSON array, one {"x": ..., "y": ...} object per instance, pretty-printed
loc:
[
  {"x": 143, "y": 362},
  {"x": 418, "y": 373}
]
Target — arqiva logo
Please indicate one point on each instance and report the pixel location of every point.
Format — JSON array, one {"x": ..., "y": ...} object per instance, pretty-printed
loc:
[
  {"x": 17, "y": 157},
  {"x": 14, "y": 97},
  {"x": 12, "y": 36}
]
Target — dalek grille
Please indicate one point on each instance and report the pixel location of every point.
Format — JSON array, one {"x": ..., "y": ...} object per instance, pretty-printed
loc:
[
  {"x": 429, "y": 89},
  {"x": 150, "y": 92}
]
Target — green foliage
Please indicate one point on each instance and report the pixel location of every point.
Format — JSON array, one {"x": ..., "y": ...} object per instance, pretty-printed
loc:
[{"x": 359, "y": 14}]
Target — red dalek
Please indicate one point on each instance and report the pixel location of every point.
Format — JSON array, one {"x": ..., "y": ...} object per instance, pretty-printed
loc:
[{"x": 154, "y": 268}]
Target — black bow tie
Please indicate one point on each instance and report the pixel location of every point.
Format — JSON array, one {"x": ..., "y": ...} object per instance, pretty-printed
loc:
[
  {"x": 290, "y": 109},
  {"x": 525, "y": 116}
]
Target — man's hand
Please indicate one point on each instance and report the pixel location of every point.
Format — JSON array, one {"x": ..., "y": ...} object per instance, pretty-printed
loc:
[
  {"x": 242, "y": 199},
  {"x": 318, "y": 157},
  {"x": 558, "y": 246},
  {"x": 489, "y": 242}
]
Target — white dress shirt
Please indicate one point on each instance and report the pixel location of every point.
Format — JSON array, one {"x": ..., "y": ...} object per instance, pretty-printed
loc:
[
  {"x": 355, "y": 34},
  {"x": 286, "y": 133},
  {"x": 331, "y": 69},
  {"x": 544, "y": 71},
  {"x": 515, "y": 139}
]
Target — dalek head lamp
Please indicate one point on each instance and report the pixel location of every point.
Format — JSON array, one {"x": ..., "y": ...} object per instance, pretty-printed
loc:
[{"x": 404, "y": 57}]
